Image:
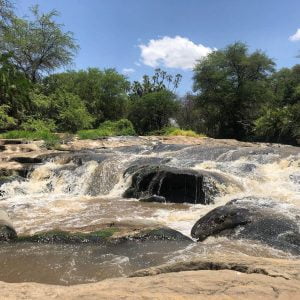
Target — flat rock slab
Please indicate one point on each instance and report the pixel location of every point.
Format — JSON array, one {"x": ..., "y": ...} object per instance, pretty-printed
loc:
[{"x": 216, "y": 285}]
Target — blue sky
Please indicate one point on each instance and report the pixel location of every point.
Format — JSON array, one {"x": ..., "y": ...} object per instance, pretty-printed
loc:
[{"x": 135, "y": 36}]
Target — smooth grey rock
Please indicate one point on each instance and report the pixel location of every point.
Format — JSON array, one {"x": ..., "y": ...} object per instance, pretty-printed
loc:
[{"x": 255, "y": 219}]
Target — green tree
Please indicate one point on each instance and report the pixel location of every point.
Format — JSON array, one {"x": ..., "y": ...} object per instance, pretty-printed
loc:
[
  {"x": 14, "y": 89},
  {"x": 6, "y": 122},
  {"x": 161, "y": 80},
  {"x": 232, "y": 85},
  {"x": 279, "y": 120},
  {"x": 38, "y": 46},
  {"x": 103, "y": 92},
  {"x": 189, "y": 114},
  {"x": 152, "y": 111},
  {"x": 66, "y": 109},
  {"x": 279, "y": 124}
]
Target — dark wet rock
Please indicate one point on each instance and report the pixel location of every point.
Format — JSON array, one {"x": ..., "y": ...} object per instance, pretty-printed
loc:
[
  {"x": 247, "y": 168},
  {"x": 262, "y": 220},
  {"x": 175, "y": 185},
  {"x": 162, "y": 234},
  {"x": 62, "y": 237},
  {"x": 104, "y": 178},
  {"x": 22, "y": 171},
  {"x": 104, "y": 236},
  {"x": 154, "y": 198},
  {"x": 11, "y": 142},
  {"x": 8, "y": 179},
  {"x": 27, "y": 160},
  {"x": 134, "y": 149},
  {"x": 7, "y": 231},
  {"x": 77, "y": 157},
  {"x": 159, "y": 147}
]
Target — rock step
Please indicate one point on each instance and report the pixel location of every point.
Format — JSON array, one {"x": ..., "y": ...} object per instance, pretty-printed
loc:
[
  {"x": 12, "y": 141},
  {"x": 26, "y": 160},
  {"x": 12, "y": 169}
]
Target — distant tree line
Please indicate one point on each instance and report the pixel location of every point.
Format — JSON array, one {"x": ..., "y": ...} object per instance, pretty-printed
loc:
[{"x": 236, "y": 94}]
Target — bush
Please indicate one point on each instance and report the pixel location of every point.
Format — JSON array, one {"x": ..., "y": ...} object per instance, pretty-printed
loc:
[
  {"x": 174, "y": 131},
  {"x": 66, "y": 109},
  {"x": 39, "y": 125},
  {"x": 48, "y": 137},
  {"x": 109, "y": 128},
  {"x": 6, "y": 121},
  {"x": 279, "y": 125}
]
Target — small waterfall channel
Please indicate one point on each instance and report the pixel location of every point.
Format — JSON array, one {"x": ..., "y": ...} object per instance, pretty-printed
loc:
[{"x": 133, "y": 187}]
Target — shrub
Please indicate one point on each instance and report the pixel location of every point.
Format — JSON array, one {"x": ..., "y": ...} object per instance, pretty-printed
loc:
[
  {"x": 279, "y": 124},
  {"x": 38, "y": 125},
  {"x": 6, "y": 121},
  {"x": 109, "y": 128},
  {"x": 48, "y": 137},
  {"x": 174, "y": 131}
]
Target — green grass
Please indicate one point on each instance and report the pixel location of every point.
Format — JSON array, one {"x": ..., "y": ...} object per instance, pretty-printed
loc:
[
  {"x": 48, "y": 137},
  {"x": 122, "y": 127},
  {"x": 173, "y": 131}
]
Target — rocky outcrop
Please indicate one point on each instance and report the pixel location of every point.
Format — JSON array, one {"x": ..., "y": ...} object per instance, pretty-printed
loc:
[
  {"x": 7, "y": 231},
  {"x": 277, "y": 268},
  {"x": 107, "y": 235},
  {"x": 155, "y": 183},
  {"x": 18, "y": 157},
  {"x": 255, "y": 219}
]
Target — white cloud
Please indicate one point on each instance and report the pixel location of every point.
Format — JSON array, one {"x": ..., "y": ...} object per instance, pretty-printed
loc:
[
  {"x": 128, "y": 70},
  {"x": 137, "y": 64},
  {"x": 177, "y": 52},
  {"x": 295, "y": 37}
]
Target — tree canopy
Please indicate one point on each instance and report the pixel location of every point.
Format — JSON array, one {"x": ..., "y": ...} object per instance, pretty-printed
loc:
[
  {"x": 37, "y": 46},
  {"x": 232, "y": 84}
]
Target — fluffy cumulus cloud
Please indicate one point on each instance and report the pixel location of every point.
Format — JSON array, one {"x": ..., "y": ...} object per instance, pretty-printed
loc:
[
  {"x": 176, "y": 52},
  {"x": 128, "y": 70},
  {"x": 295, "y": 37}
]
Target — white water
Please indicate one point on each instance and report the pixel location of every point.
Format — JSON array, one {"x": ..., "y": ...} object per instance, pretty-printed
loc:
[{"x": 65, "y": 195}]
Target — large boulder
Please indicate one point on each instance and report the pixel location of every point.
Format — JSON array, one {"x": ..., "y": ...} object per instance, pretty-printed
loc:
[
  {"x": 262, "y": 220},
  {"x": 162, "y": 183},
  {"x": 7, "y": 231}
]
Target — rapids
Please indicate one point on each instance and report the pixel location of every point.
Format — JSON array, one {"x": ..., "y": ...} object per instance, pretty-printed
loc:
[{"x": 73, "y": 189}]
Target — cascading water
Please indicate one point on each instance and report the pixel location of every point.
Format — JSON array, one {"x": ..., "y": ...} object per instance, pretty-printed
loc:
[{"x": 73, "y": 190}]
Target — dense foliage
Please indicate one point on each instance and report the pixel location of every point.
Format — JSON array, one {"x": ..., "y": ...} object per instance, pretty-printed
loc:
[
  {"x": 237, "y": 94},
  {"x": 240, "y": 95}
]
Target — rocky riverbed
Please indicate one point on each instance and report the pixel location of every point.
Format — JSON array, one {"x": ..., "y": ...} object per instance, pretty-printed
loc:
[{"x": 136, "y": 206}]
